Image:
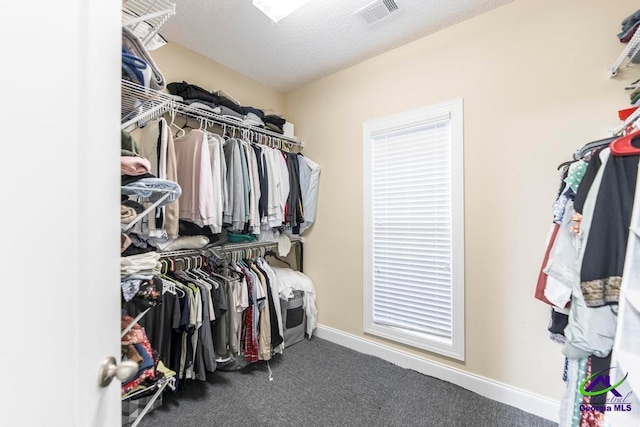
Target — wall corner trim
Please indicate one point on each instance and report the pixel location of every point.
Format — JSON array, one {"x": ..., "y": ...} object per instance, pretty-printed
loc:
[{"x": 494, "y": 390}]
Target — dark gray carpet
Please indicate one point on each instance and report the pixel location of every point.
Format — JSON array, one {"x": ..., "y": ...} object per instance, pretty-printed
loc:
[{"x": 318, "y": 383}]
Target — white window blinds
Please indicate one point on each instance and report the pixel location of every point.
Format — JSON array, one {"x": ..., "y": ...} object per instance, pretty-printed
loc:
[
  {"x": 414, "y": 225},
  {"x": 412, "y": 229}
]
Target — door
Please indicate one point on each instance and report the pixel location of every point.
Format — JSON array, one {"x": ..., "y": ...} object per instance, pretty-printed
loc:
[{"x": 59, "y": 219}]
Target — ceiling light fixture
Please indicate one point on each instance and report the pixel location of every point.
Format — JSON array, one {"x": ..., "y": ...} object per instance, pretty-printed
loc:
[{"x": 278, "y": 9}]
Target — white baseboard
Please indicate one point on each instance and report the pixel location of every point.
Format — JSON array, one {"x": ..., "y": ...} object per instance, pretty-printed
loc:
[{"x": 494, "y": 390}]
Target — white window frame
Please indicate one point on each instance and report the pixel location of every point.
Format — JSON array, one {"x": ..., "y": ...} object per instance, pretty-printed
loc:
[{"x": 453, "y": 110}]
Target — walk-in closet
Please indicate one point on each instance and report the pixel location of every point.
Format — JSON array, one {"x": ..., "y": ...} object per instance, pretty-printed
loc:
[{"x": 326, "y": 213}]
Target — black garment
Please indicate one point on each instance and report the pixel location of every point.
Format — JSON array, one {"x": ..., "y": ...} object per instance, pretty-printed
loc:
[
  {"x": 136, "y": 250},
  {"x": 294, "y": 212},
  {"x": 128, "y": 179},
  {"x": 274, "y": 128},
  {"x": 257, "y": 112},
  {"x": 263, "y": 205},
  {"x": 133, "y": 204},
  {"x": 587, "y": 180},
  {"x": 274, "y": 119},
  {"x": 603, "y": 262},
  {"x": 264, "y": 186},
  {"x": 187, "y": 228},
  {"x": 177, "y": 330},
  {"x": 276, "y": 338},
  {"x": 558, "y": 322},
  {"x": 189, "y": 91}
]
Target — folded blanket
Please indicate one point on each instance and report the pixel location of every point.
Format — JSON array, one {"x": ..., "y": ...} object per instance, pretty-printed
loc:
[
  {"x": 127, "y": 215},
  {"x": 146, "y": 264},
  {"x": 134, "y": 45},
  {"x": 183, "y": 242},
  {"x": 274, "y": 119}
]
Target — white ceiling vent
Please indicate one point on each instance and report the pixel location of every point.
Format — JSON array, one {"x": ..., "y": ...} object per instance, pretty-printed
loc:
[{"x": 377, "y": 10}]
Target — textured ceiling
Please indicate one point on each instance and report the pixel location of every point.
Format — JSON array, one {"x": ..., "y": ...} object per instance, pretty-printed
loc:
[{"x": 318, "y": 39}]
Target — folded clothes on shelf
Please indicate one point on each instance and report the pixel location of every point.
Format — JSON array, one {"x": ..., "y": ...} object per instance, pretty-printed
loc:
[
  {"x": 127, "y": 214},
  {"x": 134, "y": 45},
  {"x": 135, "y": 69},
  {"x": 629, "y": 25},
  {"x": 134, "y": 165}
]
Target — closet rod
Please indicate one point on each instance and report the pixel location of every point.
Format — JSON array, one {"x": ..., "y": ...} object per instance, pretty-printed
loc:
[
  {"x": 251, "y": 245},
  {"x": 143, "y": 104},
  {"x": 225, "y": 248},
  {"x": 199, "y": 114}
]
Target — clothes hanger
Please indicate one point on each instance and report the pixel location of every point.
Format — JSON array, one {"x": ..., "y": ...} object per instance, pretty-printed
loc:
[
  {"x": 628, "y": 145},
  {"x": 274, "y": 255},
  {"x": 178, "y": 129},
  {"x": 567, "y": 163},
  {"x": 591, "y": 145},
  {"x": 164, "y": 267},
  {"x": 171, "y": 279}
]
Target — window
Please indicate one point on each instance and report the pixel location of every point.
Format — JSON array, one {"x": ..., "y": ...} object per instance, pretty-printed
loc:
[{"x": 414, "y": 228}]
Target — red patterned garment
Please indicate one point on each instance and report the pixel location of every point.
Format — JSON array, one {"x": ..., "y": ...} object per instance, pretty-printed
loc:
[
  {"x": 250, "y": 339},
  {"x": 590, "y": 418},
  {"x": 146, "y": 377}
]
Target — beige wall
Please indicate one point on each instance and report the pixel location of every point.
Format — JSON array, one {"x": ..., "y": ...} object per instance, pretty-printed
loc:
[
  {"x": 532, "y": 76},
  {"x": 179, "y": 63}
]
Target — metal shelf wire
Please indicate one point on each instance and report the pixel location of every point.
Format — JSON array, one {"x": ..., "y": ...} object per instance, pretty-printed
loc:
[
  {"x": 630, "y": 50},
  {"x": 140, "y": 105},
  {"x": 146, "y": 17}
]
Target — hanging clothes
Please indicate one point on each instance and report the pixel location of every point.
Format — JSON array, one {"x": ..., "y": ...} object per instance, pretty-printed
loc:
[
  {"x": 156, "y": 144},
  {"x": 218, "y": 179},
  {"x": 591, "y": 330},
  {"x": 309, "y": 172},
  {"x": 603, "y": 261},
  {"x": 194, "y": 176}
]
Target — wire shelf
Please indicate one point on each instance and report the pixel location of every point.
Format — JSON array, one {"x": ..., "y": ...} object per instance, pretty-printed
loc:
[
  {"x": 228, "y": 247},
  {"x": 630, "y": 50},
  {"x": 208, "y": 118},
  {"x": 146, "y": 17},
  {"x": 140, "y": 105}
]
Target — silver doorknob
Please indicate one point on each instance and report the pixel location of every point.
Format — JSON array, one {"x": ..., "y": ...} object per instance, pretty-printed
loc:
[{"x": 109, "y": 369}]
